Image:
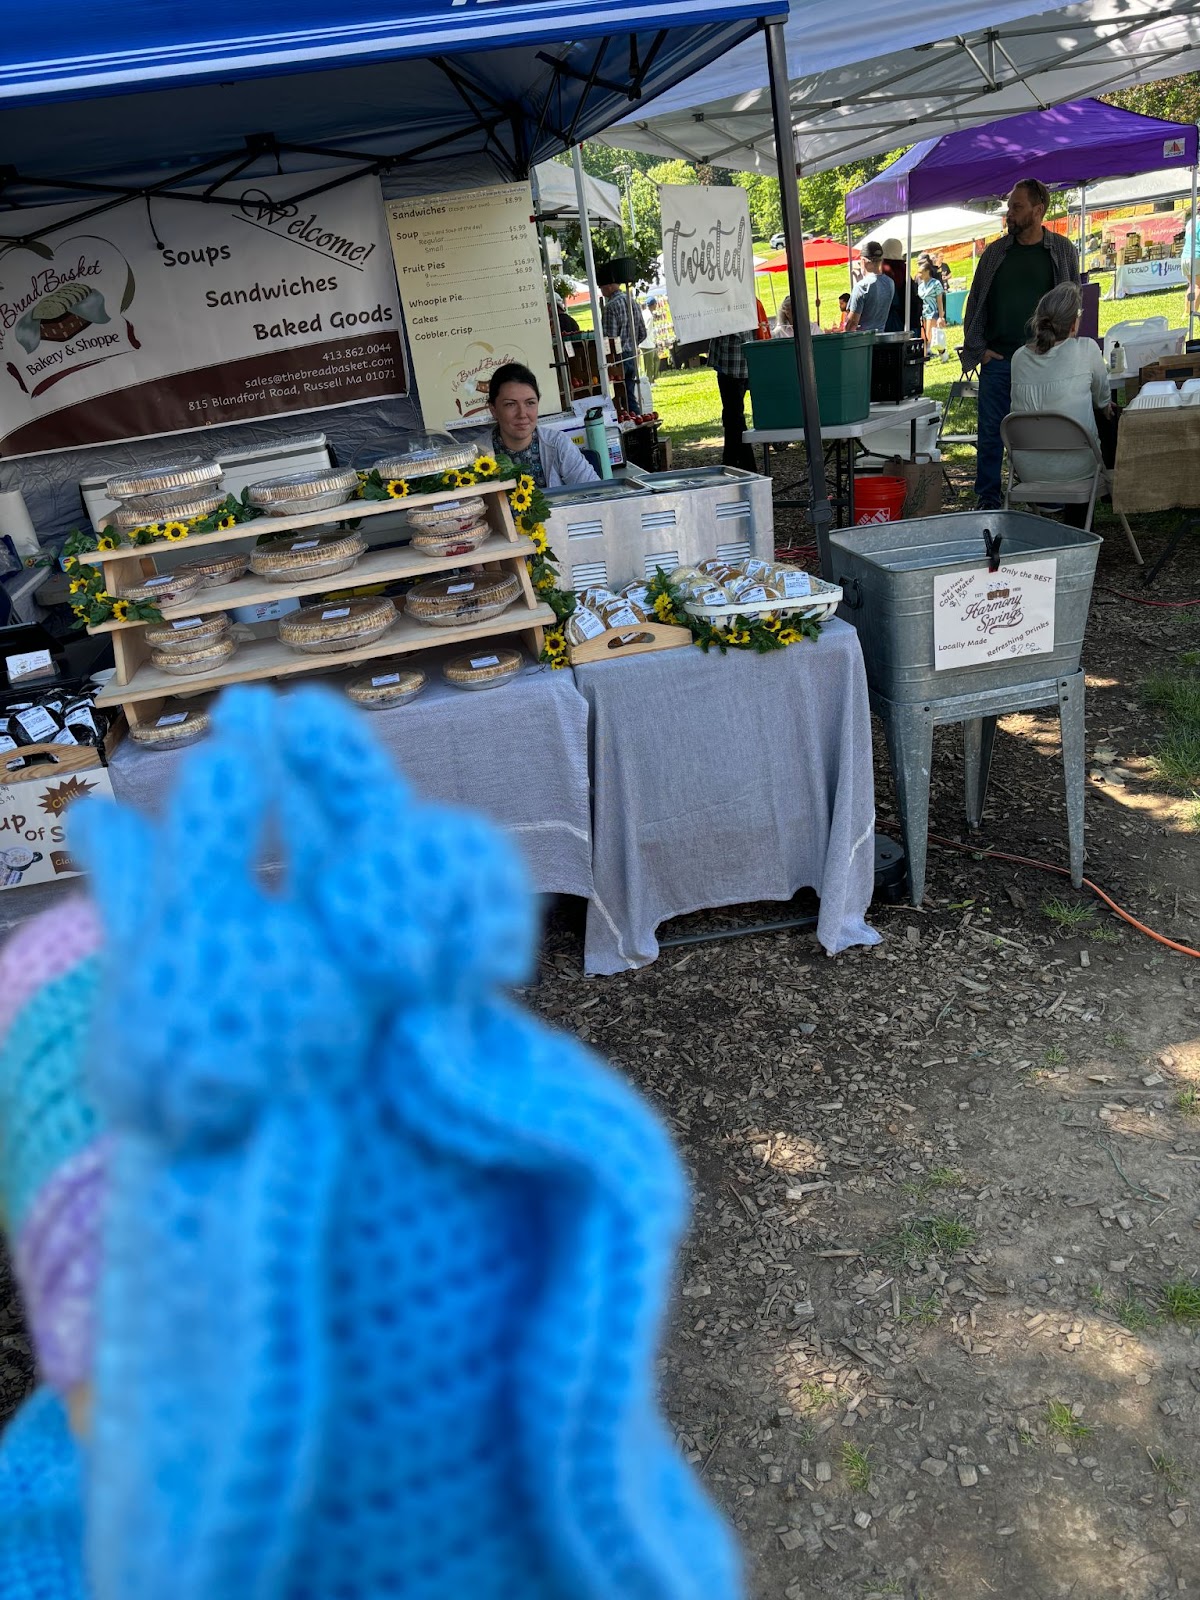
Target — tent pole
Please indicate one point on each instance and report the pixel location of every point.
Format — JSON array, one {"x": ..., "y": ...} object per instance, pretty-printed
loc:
[
  {"x": 589, "y": 264},
  {"x": 907, "y": 289},
  {"x": 793, "y": 228},
  {"x": 1192, "y": 263},
  {"x": 561, "y": 364},
  {"x": 1082, "y": 227}
]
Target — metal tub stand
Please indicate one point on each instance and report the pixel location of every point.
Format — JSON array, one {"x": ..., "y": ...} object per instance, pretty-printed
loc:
[{"x": 909, "y": 732}]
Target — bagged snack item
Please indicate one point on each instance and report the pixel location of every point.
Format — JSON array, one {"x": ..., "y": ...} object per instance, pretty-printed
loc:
[
  {"x": 595, "y": 596},
  {"x": 639, "y": 594},
  {"x": 792, "y": 583},
  {"x": 583, "y": 624},
  {"x": 622, "y": 614}
]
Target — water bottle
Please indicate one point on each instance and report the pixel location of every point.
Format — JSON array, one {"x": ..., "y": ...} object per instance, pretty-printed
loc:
[{"x": 597, "y": 438}]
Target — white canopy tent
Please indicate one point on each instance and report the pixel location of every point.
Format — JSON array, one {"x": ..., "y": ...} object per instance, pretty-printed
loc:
[
  {"x": 880, "y": 84},
  {"x": 558, "y": 201},
  {"x": 943, "y": 225},
  {"x": 1170, "y": 184}
]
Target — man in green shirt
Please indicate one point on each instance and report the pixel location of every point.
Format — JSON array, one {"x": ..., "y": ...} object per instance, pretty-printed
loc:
[{"x": 1013, "y": 274}]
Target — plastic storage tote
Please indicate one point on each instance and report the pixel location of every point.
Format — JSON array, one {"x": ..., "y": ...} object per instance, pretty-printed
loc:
[{"x": 843, "y": 364}]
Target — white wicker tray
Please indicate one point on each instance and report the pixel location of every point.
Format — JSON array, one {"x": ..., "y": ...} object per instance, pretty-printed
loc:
[{"x": 815, "y": 607}]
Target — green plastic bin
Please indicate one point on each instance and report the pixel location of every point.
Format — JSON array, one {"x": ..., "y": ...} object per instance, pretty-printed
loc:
[{"x": 843, "y": 363}]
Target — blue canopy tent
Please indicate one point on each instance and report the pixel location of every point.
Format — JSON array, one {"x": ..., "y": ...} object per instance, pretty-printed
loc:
[{"x": 165, "y": 101}]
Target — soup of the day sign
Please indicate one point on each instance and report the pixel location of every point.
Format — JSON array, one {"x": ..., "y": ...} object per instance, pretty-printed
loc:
[{"x": 236, "y": 312}]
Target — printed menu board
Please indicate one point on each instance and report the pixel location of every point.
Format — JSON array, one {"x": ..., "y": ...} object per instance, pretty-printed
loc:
[{"x": 474, "y": 297}]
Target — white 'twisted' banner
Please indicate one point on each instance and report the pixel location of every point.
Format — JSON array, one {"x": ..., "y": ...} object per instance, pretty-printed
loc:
[{"x": 708, "y": 261}]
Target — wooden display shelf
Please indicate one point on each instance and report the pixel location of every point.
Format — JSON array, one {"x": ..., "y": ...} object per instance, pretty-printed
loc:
[
  {"x": 269, "y": 658},
  {"x": 141, "y": 688},
  {"x": 278, "y": 526},
  {"x": 377, "y": 566}
]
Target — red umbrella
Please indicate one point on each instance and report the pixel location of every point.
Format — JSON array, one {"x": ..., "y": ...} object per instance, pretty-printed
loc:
[{"x": 818, "y": 253}]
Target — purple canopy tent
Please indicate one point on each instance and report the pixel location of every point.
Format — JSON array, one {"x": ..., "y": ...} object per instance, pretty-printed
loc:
[{"x": 1069, "y": 145}]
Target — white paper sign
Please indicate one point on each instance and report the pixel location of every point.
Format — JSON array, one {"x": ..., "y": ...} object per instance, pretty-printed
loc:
[
  {"x": 474, "y": 296},
  {"x": 264, "y": 306},
  {"x": 981, "y": 617},
  {"x": 708, "y": 262}
]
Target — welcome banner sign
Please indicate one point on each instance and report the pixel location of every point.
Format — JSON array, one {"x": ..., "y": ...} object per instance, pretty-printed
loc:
[
  {"x": 134, "y": 323},
  {"x": 708, "y": 261}
]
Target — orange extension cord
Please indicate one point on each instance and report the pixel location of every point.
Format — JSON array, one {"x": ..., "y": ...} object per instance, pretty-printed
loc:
[{"x": 1061, "y": 872}]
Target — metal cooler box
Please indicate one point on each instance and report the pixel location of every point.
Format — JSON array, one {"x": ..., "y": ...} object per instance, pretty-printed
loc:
[{"x": 887, "y": 574}]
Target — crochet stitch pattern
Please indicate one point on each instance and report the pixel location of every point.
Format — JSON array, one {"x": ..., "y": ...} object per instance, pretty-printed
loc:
[{"x": 386, "y": 1258}]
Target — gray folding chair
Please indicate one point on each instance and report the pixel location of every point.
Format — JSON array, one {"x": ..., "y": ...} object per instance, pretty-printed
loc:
[{"x": 1040, "y": 432}]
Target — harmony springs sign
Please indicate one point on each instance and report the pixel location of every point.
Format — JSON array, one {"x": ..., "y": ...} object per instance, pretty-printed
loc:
[
  {"x": 708, "y": 261},
  {"x": 128, "y": 325}
]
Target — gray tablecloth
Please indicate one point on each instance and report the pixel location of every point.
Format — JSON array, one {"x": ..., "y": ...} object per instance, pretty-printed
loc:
[
  {"x": 517, "y": 753},
  {"x": 719, "y": 780}
]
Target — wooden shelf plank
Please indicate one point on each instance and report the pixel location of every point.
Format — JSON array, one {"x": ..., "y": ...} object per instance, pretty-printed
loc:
[
  {"x": 350, "y": 512},
  {"x": 377, "y": 566},
  {"x": 268, "y": 658}
]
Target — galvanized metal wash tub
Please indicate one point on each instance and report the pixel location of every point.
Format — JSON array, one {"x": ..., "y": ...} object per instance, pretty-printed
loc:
[{"x": 887, "y": 572}]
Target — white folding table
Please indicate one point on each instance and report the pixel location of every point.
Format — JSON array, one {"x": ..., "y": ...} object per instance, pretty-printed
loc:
[{"x": 843, "y": 438}]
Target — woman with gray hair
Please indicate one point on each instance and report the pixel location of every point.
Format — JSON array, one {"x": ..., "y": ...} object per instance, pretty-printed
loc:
[{"x": 1055, "y": 371}]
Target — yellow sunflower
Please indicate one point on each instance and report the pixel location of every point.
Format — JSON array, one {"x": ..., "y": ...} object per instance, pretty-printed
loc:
[
  {"x": 663, "y": 609},
  {"x": 486, "y": 466},
  {"x": 525, "y": 481},
  {"x": 452, "y": 478},
  {"x": 77, "y": 584},
  {"x": 520, "y": 499},
  {"x": 174, "y": 530},
  {"x": 738, "y": 636},
  {"x": 538, "y": 536},
  {"x": 154, "y": 529},
  {"x": 106, "y": 542},
  {"x": 80, "y": 611},
  {"x": 771, "y": 623},
  {"x": 789, "y": 636},
  {"x": 397, "y": 488},
  {"x": 120, "y": 610},
  {"x": 227, "y": 521}
]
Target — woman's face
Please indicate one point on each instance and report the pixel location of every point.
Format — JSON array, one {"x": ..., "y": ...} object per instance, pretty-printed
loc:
[{"x": 515, "y": 409}]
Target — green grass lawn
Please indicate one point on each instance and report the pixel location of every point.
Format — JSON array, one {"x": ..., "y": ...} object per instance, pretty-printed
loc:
[{"x": 691, "y": 407}]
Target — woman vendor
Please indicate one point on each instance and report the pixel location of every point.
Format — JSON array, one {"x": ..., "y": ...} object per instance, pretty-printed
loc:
[{"x": 547, "y": 455}]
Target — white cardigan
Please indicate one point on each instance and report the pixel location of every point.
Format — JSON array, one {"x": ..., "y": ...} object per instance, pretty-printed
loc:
[{"x": 1069, "y": 378}]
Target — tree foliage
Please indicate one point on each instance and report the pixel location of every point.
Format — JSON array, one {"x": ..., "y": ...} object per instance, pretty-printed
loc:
[{"x": 1173, "y": 99}]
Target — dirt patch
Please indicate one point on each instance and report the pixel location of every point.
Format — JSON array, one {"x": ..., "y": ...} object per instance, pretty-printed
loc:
[{"x": 922, "y": 1341}]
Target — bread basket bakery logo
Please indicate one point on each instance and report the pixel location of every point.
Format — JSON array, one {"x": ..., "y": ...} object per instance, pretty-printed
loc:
[{"x": 62, "y": 308}]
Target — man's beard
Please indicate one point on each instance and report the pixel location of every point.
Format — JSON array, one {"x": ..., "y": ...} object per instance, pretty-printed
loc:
[{"x": 1013, "y": 226}]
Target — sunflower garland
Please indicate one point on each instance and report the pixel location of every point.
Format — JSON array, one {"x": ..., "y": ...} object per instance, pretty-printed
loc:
[
  {"x": 92, "y": 603},
  {"x": 759, "y": 634}
]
